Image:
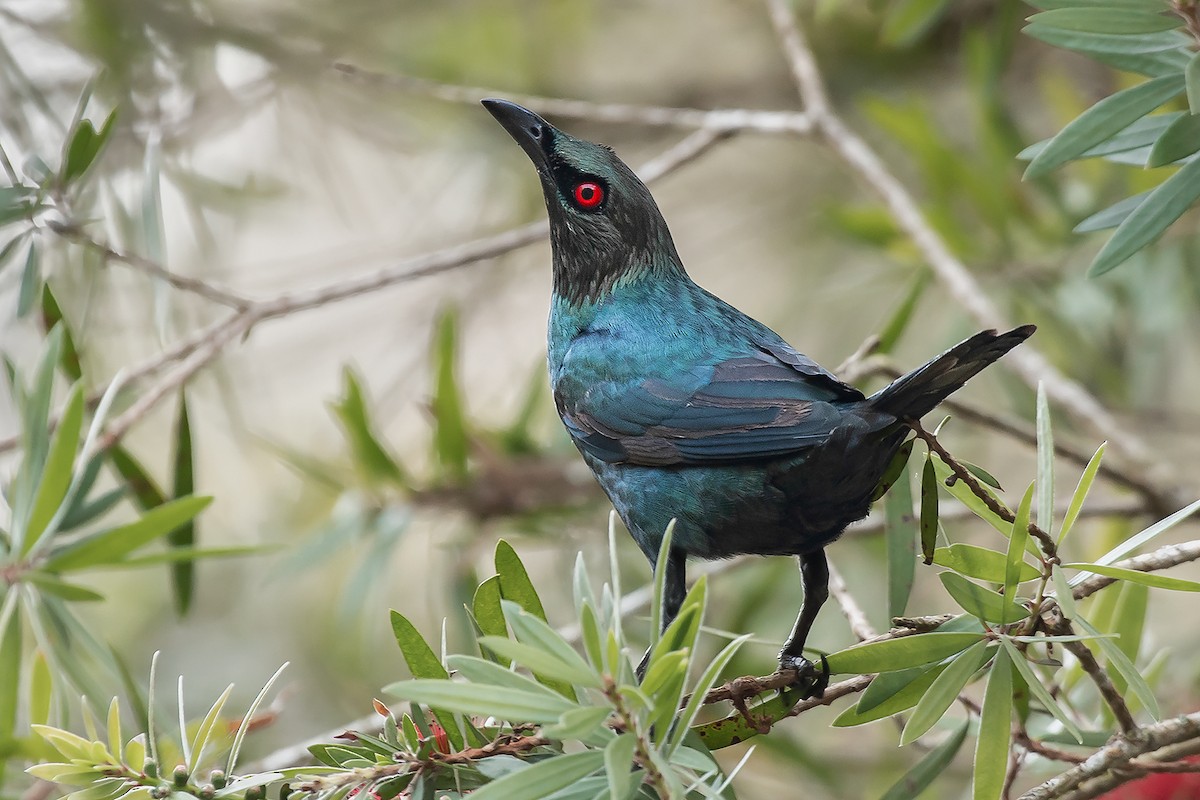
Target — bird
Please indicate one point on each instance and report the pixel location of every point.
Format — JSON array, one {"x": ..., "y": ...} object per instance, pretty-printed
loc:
[{"x": 687, "y": 409}]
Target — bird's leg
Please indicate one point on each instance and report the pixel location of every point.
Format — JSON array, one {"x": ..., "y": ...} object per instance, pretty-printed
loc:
[
  {"x": 674, "y": 590},
  {"x": 814, "y": 574}
]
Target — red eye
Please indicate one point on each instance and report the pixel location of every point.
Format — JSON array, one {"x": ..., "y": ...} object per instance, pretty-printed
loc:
[{"x": 588, "y": 194}]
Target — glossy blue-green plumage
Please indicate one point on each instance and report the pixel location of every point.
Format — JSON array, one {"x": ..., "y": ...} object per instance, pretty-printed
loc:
[{"x": 687, "y": 409}]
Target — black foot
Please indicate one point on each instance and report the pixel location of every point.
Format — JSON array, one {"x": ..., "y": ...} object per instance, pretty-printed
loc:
[{"x": 810, "y": 680}]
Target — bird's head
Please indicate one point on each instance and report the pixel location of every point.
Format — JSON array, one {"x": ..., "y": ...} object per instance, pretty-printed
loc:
[{"x": 604, "y": 224}]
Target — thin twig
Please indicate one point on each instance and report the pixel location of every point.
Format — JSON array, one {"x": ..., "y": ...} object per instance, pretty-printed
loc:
[
  {"x": 1060, "y": 626},
  {"x": 1118, "y": 753},
  {"x": 732, "y": 119},
  {"x": 850, "y": 607},
  {"x": 74, "y": 233}
]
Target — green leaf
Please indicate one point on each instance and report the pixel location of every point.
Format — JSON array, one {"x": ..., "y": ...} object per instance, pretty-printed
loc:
[
  {"x": 422, "y": 661},
  {"x": 56, "y": 475},
  {"x": 41, "y": 689},
  {"x": 1104, "y": 119},
  {"x": 995, "y": 728},
  {"x": 982, "y": 474},
  {"x": 110, "y": 546},
  {"x": 735, "y": 729},
  {"x": 1016, "y": 557},
  {"x": 1081, "y": 492},
  {"x": 944, "y": 691},
  {"x": 451, "y": 440},
  {"x": 888, "y": 655},
  {"x": 1152, "y": 579},
  {"x": 543, "y": 778},
  {"x": 898, "y": 695},
  {"x": 140, "y": 484},
  {"x": 980, "y": 563},
  {"x": 370, "y": 455},
  {"x": 1123, "y": 21},
  {"x": 707, "y": 680},
  {"x": 1137, "y": 540},
  {"x": 907, "y": 21},
  {"x": 1112, "y": 216},
  {"x": 661, "y": 567},
  {"x": 980, "y": 601},
  {"x": 579, "y": 724},
  {"x": 964, "y": 495},
  {"x": 929, "y": 512},
  {"x": 1045, "y": 463},
  {"x": 894, "y": 328},
  {"x": 921, "y": 776},
  {"x": 86, "y": 143},
  {"x": 619, "y": 766},
  {"x": 1149, "y": 220},
  {"x": 31, "y": 281},
  {"x": 11, "y": 651},
  {"x": 60, "y": 588},
  {"x": 1119, "y": 661},
  {"x": 481, "y": 671},
  {"x": 514, "y": 580},
  {"x": 204, "y": 732},
  {"x": 1178, "y": 141},
  {"x": 895, "y": 468},
  {"x": 183, "y": 572},
  {"x": 901, "y": 544},
  {"x": 541, "y": 663},
  {"x": 1038, "y": 688},
  {"x": 1191, "y": 76},
  {"x": 485, "y": 607},
  {"x": 505, "y": 703},
  {"x": 1097, "y": 44}
]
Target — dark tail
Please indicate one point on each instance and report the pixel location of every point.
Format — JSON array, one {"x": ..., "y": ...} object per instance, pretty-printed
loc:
[{"x": 914, "y": 395}]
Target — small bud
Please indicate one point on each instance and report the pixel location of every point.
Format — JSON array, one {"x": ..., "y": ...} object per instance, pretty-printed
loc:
[
  {"x": 150, "y": 768},
  {"x": 180, "y": 776},
  {"x": 217, "y": 778},
  {"x": 255, "y": 793},
  {"x": 207, "y": 791}
]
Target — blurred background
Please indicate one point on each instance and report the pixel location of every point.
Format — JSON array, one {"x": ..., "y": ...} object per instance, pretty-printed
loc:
[{"x": 381, "y": 444}]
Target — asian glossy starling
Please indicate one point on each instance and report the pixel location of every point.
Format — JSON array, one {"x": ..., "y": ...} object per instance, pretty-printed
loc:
[{"x": 687, "y": 409}]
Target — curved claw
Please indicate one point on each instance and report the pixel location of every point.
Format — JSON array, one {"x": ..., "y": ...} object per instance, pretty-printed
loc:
[{"x": 809, "y": 679}]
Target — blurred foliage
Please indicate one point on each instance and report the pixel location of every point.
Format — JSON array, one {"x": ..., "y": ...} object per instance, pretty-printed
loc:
[{"x": 143, "y": 85}]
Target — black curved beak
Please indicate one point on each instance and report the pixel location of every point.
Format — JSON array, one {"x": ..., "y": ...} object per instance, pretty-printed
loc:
[{"x": 534, "y": 134}]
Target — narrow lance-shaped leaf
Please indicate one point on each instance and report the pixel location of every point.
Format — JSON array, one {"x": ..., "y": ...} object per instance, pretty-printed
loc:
[
  {"x": 1104, "y": 119},
  {"x": 56, "y": 475},
  {"x": 451, "y": 440},
  {"x": 1045, "y": 462},
  {"x": 1124, "y": 667},
  {"x": 995, "y": 726},
  {"x": 894, "y": 654},
  {"x": 944, "y": 691},
  {"x": 1165, "y": 204},
  {"x": 183, "y": 572},
  {"x": 901, "y": 544},
  {"x": 929, "y": 511},
  {"x": 1137, "y": 540},
  {"x": 980, "y": 601},
  {"x": 464, "y": 698},
  {"x": 423, "y": 663},
  {"x": 894, "y": 470},
  {"x": 543, "y": 778},
  {"x": 1136, "y": 576},
  {"x": 111, "y": 545},
  {"x": 1016, "y": 553},
  {"x": 31, "y": 281},
  {"x": 921, "y": 776},
  {"x": 1191, "y": 75},
  {"x": 1178, "y": 141},
  {"x": 1112, "y": 216},
  {"x": 1039, "y": 690},
  {"x": 980, "y": 563},
  {"x": 1081, "y": 492}
]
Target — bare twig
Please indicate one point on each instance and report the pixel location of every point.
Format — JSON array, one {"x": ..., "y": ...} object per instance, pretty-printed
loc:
[
  {"x": 1058, "y": 625},
  {"x": 716, "y": 120},
  {"x": 1117, "y": 754},
  {"x": 850, "y": 607},
  {"x": 75, "y": 233}
]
